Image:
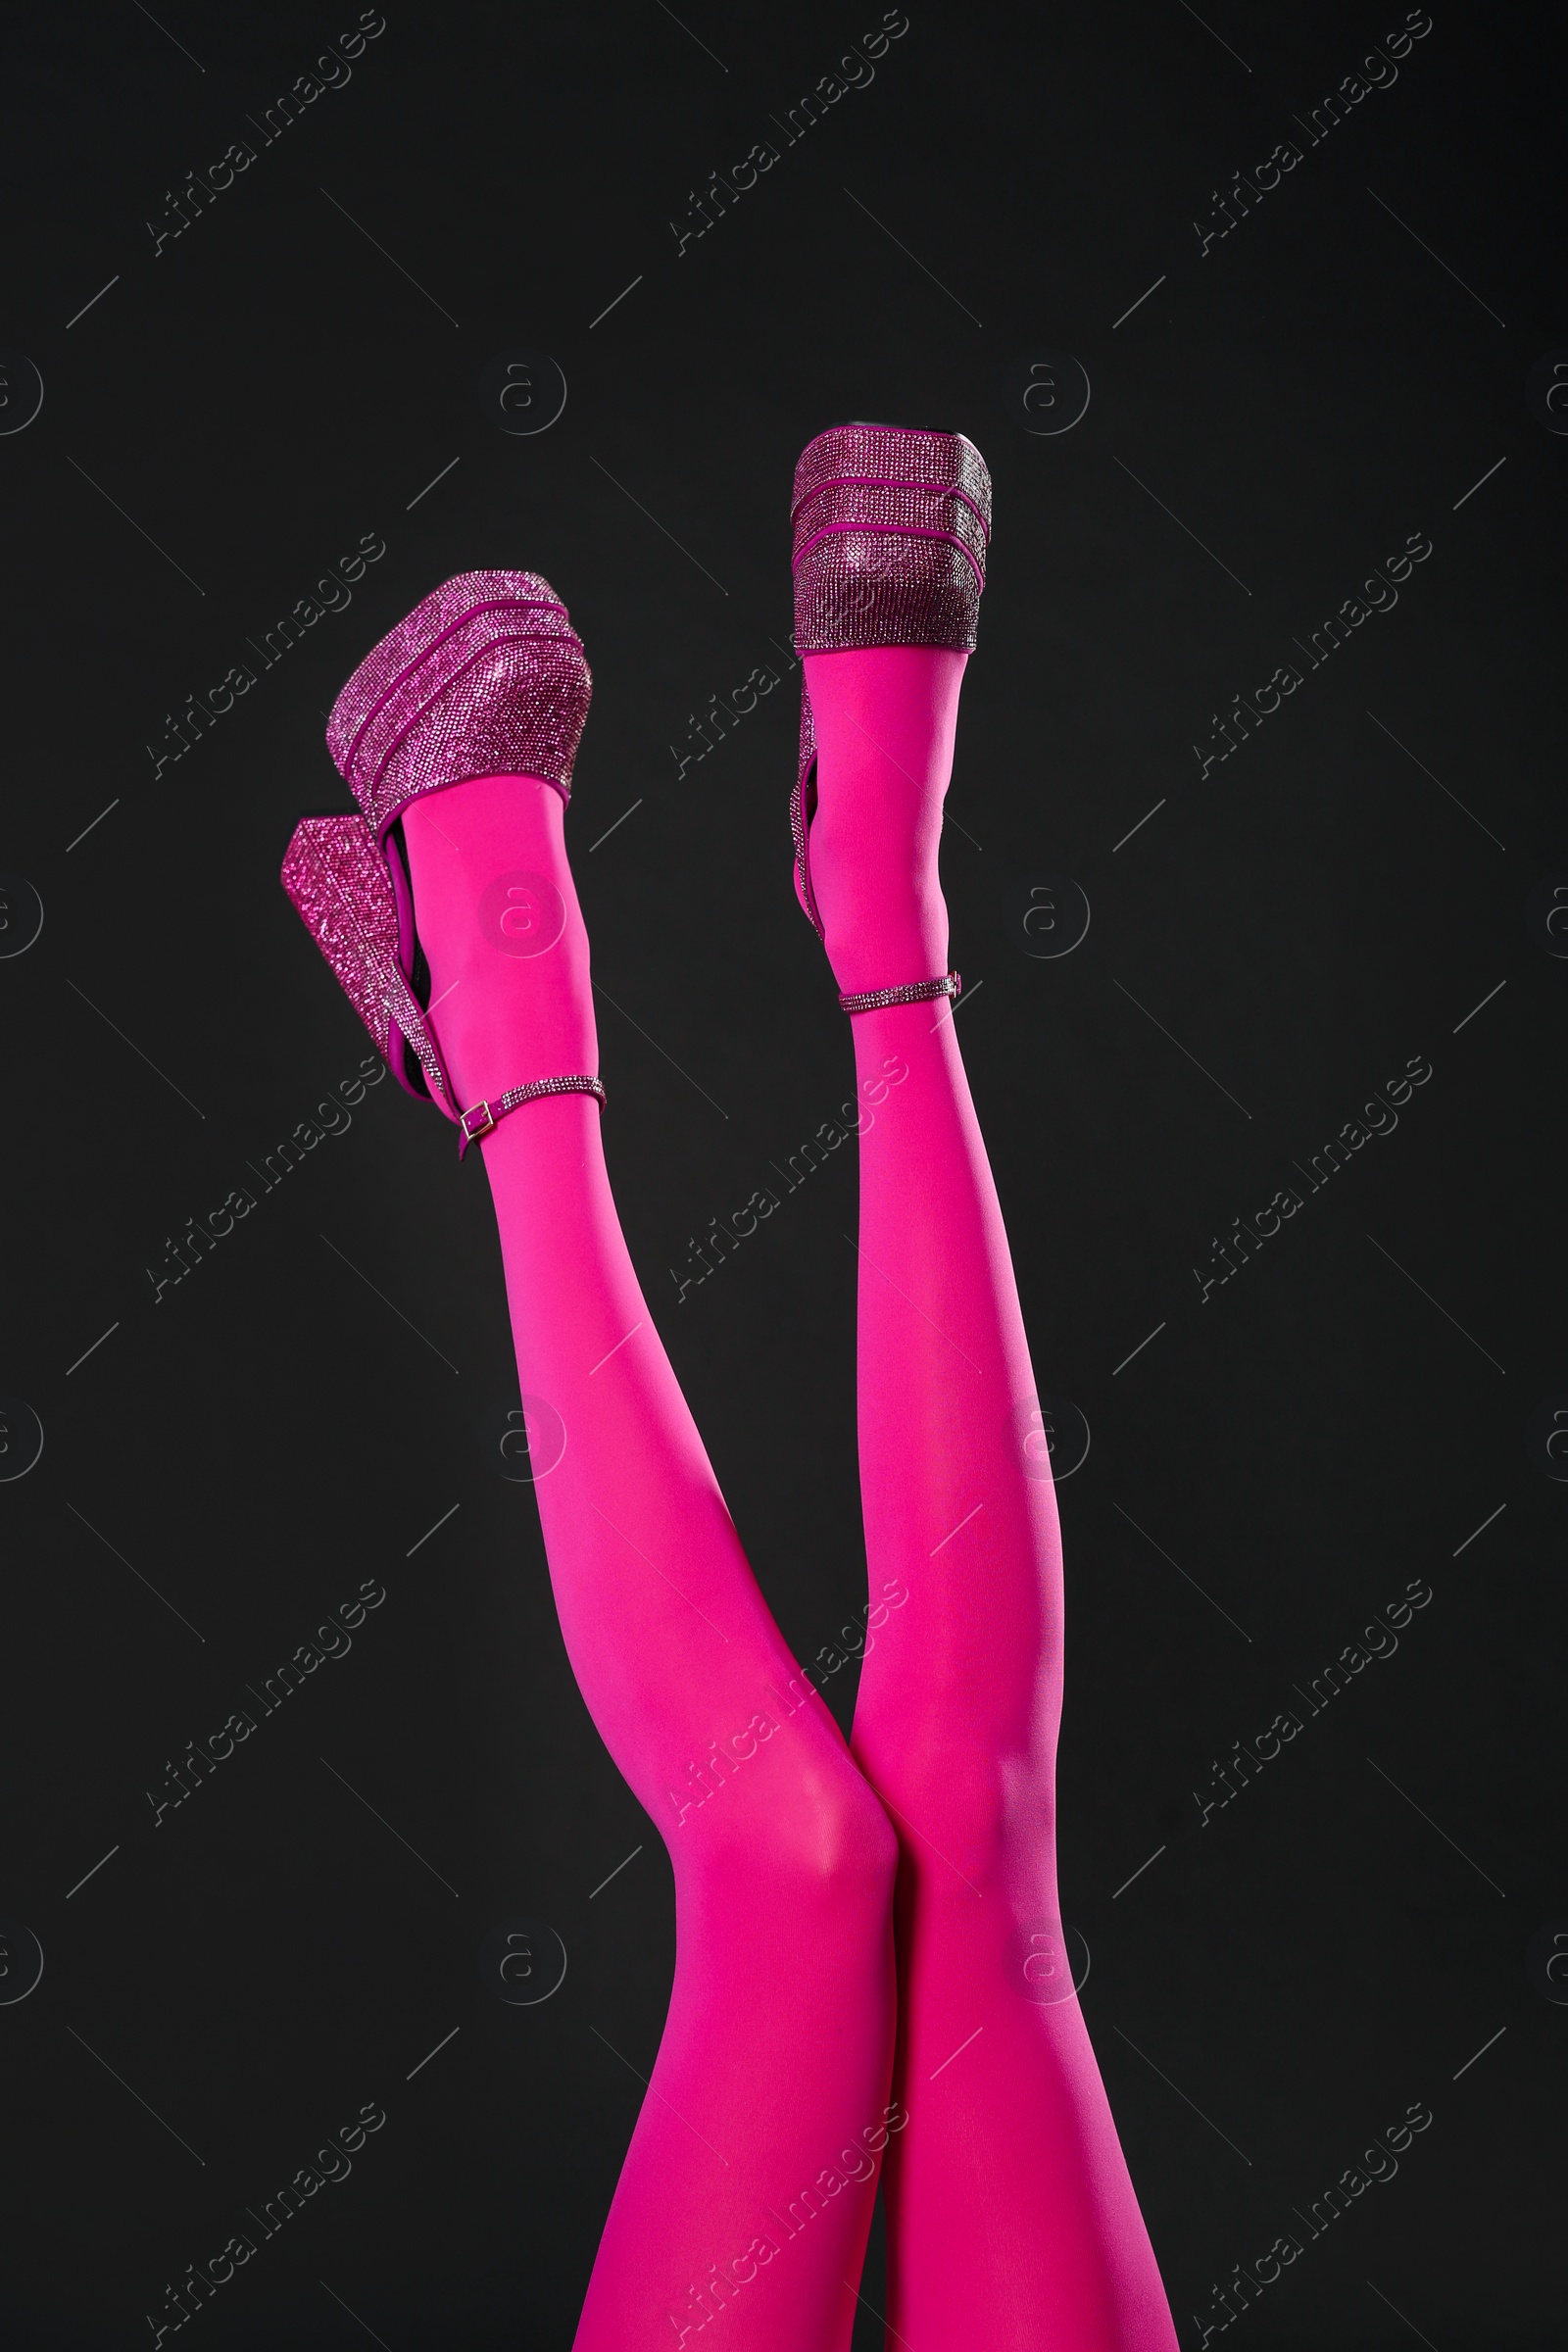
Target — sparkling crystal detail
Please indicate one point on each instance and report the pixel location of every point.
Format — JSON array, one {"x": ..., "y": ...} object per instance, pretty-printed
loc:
[
  {"x": 485, "y": 677},
  {"x": 913, "y": 992},
  {"x": 891, "y": 528}
]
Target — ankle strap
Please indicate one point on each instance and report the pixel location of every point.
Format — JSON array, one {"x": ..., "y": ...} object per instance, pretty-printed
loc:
[
  {"x": 483, "y": 1116},
  {"x": 916, "y": 992}
]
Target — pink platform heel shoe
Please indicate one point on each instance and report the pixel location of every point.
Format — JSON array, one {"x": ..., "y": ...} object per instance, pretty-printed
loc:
[
  {"x": 485, "y": 677},
  {"x": 891, "y": 527}
]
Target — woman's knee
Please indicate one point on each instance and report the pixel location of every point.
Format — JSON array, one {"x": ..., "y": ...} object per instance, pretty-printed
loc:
[
  {"x": 817, "y": 1837},
  {"x": 851, "y": 1849},
  {"x": 966, "y": 1819}
]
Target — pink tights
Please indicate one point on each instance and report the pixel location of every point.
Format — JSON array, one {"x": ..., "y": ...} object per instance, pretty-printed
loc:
[{"x": 823, "y": 1898}]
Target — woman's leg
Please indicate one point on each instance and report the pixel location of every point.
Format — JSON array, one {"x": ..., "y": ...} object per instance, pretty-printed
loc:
[
  {"x": 1013, "y": 2223},
  {"x": 748, "y": 2188}
]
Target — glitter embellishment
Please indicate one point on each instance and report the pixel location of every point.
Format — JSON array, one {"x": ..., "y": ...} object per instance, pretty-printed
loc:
[
  {"x": 486, "y": 677},
  {"x": 483, "y": 1116},
  {"x": 338, "y": 882},
  {"x": 913, "y": 992},
  {"x": 891, "y": 528}
]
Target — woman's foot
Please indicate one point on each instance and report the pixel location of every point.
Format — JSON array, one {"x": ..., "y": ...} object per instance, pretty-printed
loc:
[
  {"x": 476, "y": 699},
  {"x": 889, "y": 526},
  {"x": 498, "y": 918},
  {"x": 884, "y": 719}
]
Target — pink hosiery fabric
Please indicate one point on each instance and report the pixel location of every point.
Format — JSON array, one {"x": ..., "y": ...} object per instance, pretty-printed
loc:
[
  {"x": 1012, "y": 2221},
  {"x": 742, "y": 2210}
]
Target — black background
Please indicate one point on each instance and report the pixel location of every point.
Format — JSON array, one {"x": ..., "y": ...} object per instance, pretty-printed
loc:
[{"x": 1279, "y": 939}]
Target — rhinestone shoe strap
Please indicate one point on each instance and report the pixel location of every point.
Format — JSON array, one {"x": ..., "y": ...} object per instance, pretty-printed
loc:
[
  {"x": 483, "y": 1116},
  {"x": 914, "y": 992}
]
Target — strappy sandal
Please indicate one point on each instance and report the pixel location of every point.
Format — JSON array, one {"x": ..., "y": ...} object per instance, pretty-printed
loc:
[
  {"x": 485, "y": 677},
  {"x": 891, "y": 527}
]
